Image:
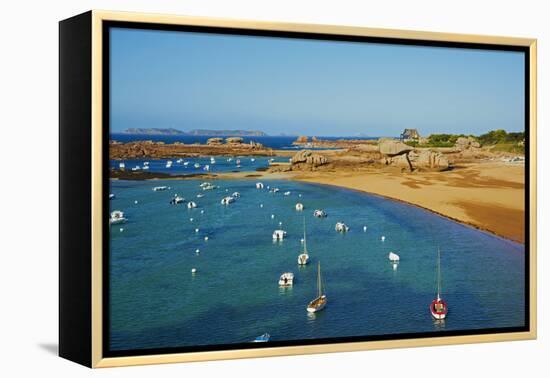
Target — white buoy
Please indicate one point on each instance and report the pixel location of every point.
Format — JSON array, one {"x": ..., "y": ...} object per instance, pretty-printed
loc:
[
  {"x": 197, "y": 250},
  {"x": 302, "y": 240},
  {"x": 202, "y": 211},
  {"x": 365, "y": 228},
  {"x": 299, "y": 195},
  {"x": 280, "y": 223},
  {"x": 272, "y": 216},
  {"x": 383, "y": 238},
  {"x": 136, "y": 202},
  {"x": 196, "y": 230},
  {"x": 194, "y": 270},
  {"x": 261, "y": 205},
  {"x": 121, "y": 229},
  {"x": 190, "y": 219},
  {"x": 206, "y": 238}
]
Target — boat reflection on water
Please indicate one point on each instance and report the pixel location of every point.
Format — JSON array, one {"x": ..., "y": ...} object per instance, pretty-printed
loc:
[{"x": 439, "y": 324}]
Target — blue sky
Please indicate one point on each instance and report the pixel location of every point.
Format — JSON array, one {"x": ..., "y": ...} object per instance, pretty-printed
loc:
[{"x": 280, "y": 85}]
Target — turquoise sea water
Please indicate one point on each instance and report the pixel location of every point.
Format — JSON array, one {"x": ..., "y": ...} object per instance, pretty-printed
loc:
[{"x": 156, "y": 302}]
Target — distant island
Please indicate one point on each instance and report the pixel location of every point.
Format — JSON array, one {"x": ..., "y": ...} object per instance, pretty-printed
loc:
[
  {"x": 195, "y": 132},
  {"x": 238, "y": 133}
]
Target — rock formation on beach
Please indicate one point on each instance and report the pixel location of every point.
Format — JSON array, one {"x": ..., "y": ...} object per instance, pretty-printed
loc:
[
  {"x": 301, "y": 140},
  {"x": 309, "y": 159},
  {"x": 464, "y": 143},
  {"x": 400, "y": 155},
  {"x": 234, "y": 140},
  {"x": 391, "y": 148},
  {"x": 214, "y": 141}
]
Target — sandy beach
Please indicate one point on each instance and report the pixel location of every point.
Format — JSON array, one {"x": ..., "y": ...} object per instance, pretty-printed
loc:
[{"x": 488, "y": 196}]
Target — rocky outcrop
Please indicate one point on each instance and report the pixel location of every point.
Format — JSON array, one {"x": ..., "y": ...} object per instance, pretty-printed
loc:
[
  {"x": 234, "y": 140},
  {"x": 214, "y": 141},
  {"x": 307, "y": 159},
  {"x": 429, "y": 160},
  {"x": 301, "y": 140},
  {"x": 464, "y": 143},
  {"x": 390, "y": 147}
]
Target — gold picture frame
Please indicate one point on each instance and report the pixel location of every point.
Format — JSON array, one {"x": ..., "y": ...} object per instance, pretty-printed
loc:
[{"x": 94, "y": 22}]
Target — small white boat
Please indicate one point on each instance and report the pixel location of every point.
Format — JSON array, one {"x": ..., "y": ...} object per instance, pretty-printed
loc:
[
  {"x": 121, "y": 165},
  {"x": 159, "y": 188},
  {"x": 206, "y": 167},
  {"x": 341, "y": 227},
  {"x": 191, "y": 205},
  {"x": 259, "y": 185},
  {"x": 319, "y": 214},
  {"x": 169, "y": 164},
  {"x": 238, "y": 165},
  {"x": 194, "y": 270},
  {"x": 252, "y": 160},
  {"x": 274, "y": 190},
  {"x": 279, "y": 234},
  {"x": 179, "y": 161},
  {"x": 393, "y": 257},
  {"x": 197, "y": 165},
  {"x": 200, "y": 195},
  {"x": 145, "y": 167},
  {"x": 236, "y": 194},
  {"x": 299, "y": 207},
  {"x": 117, "y": 217},
  {"x": 364, "y": 228},
  {"x": 136, "y": 168},
  {"x": 227, "y": 200},
  {"x": 185, "y": 163},
  {"x": 286, "y": 279},
  {"x": 111, "y": 196},
  {"x": 238, "y": 161},
  {"x": 262, "y": 338},
  {"x": 382, "y": 238},
  {"x": 320, "y": 302},
  {"x": 177, "y": 200},
  {"x": 212, "y": 160},
  {"x": 229, "y": 160},
  {"x": 286, "y": 193}
]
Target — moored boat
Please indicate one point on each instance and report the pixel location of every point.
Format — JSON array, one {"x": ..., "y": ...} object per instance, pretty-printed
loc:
[
  {"x": 262, "y": 338},
  {"x": 341, "y": 227},
  {"x": 159, "y": 188},
  {"x": 303, "y": 258},
  {"x": 279, "y": 234},
  {"x": 117, "y": 217},
  {"x": 320, "y": 302},
  {"x": 286, "y": 279},
  {"x": 227, "y": 200},
  {"x": 299, "y": 207},
  {"x": 438, "y": 307},
  {"x": 319, "y": 213}
]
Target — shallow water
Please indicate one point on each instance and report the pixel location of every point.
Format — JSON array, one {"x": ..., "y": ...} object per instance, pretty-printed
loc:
[{"x": 157, "y": 302}]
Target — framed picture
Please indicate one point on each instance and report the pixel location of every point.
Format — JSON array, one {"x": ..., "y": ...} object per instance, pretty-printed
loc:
[{"x": 235, "y": 189}]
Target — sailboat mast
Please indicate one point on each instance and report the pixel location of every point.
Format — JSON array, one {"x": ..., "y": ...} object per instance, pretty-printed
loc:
[
  {"x": 438, "y": 274},
  {"x": 305, "y": 243},
  {"x": 319, "y": 278}
]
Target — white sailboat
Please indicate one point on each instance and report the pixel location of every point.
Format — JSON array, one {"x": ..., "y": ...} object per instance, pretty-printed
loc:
[
  {"x": 303, "y": 258},
  {"x": 320, "y": 302},
  {"x": 439, "y": 307}
]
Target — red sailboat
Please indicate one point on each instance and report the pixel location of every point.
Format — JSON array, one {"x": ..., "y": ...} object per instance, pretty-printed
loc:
[{"x": 439, "y": 307}]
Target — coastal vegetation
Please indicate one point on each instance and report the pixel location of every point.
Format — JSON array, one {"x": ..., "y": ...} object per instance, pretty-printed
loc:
[{"x": 498, "y": 140}]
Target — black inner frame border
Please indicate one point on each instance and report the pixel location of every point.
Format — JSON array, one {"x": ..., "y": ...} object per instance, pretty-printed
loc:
[{"x": 106, "y": 27}]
